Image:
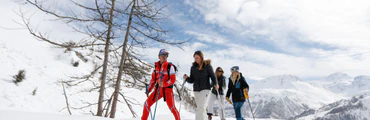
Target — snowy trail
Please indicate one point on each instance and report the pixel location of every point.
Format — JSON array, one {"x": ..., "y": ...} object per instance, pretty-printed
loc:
[{"x": 18, "y": 115}]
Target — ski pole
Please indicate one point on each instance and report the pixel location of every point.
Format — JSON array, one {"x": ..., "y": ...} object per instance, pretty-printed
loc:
[
  {"x": 251, "y": 108},
  {"x": 159, "y": 91},
  {"x": 156, "y": 103},
  {"x": 222, "y": 117},
  {"x": 181, "y": 91},
  {"x": 147, "y": 92}
]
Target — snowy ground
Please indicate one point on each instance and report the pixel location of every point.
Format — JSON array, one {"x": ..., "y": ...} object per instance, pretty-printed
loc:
[
  {"x": 17, "y": 115},
  {"x": 45, "y": 66}
]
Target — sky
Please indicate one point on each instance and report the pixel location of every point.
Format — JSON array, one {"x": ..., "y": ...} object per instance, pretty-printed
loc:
[{"x": 310, "y": 39}]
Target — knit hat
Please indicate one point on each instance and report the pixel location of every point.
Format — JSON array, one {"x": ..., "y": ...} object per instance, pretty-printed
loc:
[{"x": 234, "y": 68}]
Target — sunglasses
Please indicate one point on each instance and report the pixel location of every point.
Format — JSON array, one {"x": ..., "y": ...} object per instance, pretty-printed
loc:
[
  {"x": 220, "y": 71},
  {"x": 233, "y": 69}
]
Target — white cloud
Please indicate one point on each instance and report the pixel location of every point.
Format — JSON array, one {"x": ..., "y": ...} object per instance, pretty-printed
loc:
[
  {"x": 274, "y": 20},
  {"x": 207, "y": 38},
  {"x": 341, "y": 23},
  {"x": 257, "y": 64},
  {"x": 289, "y": 25}
]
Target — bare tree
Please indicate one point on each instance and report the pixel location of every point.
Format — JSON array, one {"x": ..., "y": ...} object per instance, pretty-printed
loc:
[
  {"x": 105, "y": 63},
  {"x": 136, "y": 22},
  {"x": 65, "y": 96},
  {"x": 143, "y": 20},
  {"x": 118, "y": 83}
]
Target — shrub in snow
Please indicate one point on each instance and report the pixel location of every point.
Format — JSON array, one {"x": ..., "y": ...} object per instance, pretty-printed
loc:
[
  {"x": 34, "y": 92},
  {"x": 19, "y": 77},
  {"x": 75, "y": 64},
  {"x": 69, "y": 45}
]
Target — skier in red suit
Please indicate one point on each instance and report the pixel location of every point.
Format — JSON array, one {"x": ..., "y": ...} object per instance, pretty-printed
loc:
[{"x": 163, "y": 79}]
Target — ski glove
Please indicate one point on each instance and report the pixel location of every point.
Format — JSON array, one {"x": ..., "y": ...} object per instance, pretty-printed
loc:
[
  {"x": 228, "y": 100},
  {"x": 246, "y": 94},
  {"x": 147, "y": 91}
]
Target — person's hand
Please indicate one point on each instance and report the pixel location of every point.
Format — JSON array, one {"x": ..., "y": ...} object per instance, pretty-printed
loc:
[
  {"x": 245, "y": 91},
  {"x": 160, "y": 84},
  {"x": 228, "y": 100},
  {"x": 185, "y": 76},
  {"x": 216, "y": 86},
  {"x": 146, "y": 91}
]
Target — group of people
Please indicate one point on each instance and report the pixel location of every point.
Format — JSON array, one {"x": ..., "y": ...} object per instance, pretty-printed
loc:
[{"x": 206, "y": 92}]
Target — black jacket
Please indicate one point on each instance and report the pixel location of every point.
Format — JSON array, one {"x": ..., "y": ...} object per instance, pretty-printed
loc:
[
  {"x": 237, "y": 93},
  {"x": 222, "y": 85},
  {"x": 200, "y": 78}
]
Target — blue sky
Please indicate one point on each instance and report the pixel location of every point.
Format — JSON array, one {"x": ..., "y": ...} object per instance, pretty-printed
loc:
[{"x": 309, "y": 39}]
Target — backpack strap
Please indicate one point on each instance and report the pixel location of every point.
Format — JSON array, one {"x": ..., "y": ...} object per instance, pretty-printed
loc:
[
  {"x": 155, "y": 81},
  {"x": 169, "y": 67},
  {"x": 169, "y": 74},
  {"x": 168, "y": 71}
]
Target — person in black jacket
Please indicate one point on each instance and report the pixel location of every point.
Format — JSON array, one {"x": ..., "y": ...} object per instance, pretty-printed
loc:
[
  {"x": 200, "y": 72},
  {"x": 239, "y": 88},
  {"x": 213, "y": 97}
]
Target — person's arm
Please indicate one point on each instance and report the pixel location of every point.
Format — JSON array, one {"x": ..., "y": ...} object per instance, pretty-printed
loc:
[
  {"x": 172, "y": 76},
  {"x": 152, "y": 82},
  {"x": 244, "y": 84},
  {"x": 224, "y": 82},
  {"x": 245, "y": 87},
  {"x": 229, "y": 89},
  {"x": 191, "y": 78},
  {"x": 212, "y": 75}
]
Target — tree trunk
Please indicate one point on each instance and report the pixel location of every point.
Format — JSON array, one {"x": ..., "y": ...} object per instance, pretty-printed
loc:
[
  {"x": 118, "y": 82},
  {"x": 105, "y": 63}
]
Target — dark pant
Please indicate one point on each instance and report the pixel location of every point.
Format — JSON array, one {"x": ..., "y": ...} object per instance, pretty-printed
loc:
[{"x": 237, "y": 109}]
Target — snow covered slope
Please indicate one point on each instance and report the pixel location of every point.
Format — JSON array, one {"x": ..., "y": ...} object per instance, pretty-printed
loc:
[
  {"x": 342, "y": 84},
  {"x": 338, "y": 77},
  {"x": 360, "y": 85},
  {"x": 286, "y": 96},
  {"x": 356, "y": 108},
  {"x": 335, "y": 82},
  {"x": 44, "y": 67},
  {"x": 17, "y": 115}
]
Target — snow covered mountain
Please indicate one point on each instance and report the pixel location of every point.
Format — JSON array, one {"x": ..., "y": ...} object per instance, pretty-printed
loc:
[
  {"x": 356, "y": 108},
  {"x": 361, "y": 83},
  {"x": 286, "y": 96},
  {"x": 342, "y": 84},
  {"x": 338, "y": 77},
  {"x": 336, "y": 82}
]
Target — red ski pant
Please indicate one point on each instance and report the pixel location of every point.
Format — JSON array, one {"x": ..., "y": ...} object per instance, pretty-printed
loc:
[{"x": 169, "y": 100}]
